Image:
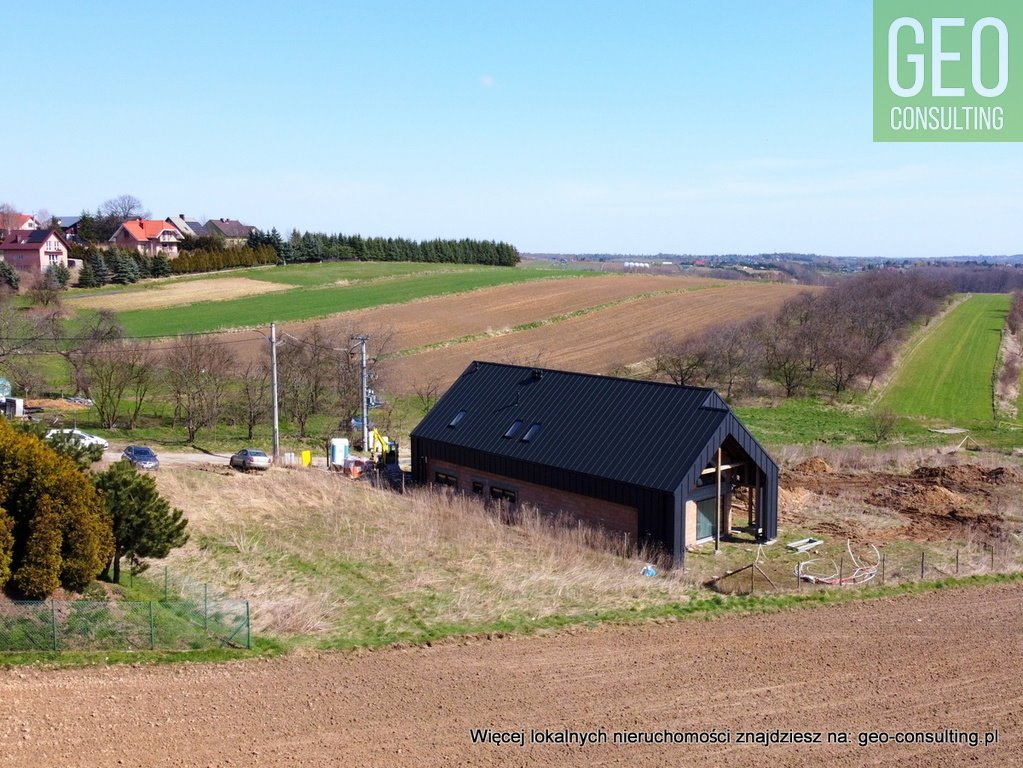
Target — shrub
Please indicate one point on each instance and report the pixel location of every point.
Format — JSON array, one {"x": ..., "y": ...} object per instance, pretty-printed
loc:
[{"x": 60, "y": 530}]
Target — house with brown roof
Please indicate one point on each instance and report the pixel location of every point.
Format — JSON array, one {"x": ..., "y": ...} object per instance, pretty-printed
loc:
[
  {"x": 233, "y": 231},
  {"x": 31, "y": 251},
  {"x": 148, "y": 236}
]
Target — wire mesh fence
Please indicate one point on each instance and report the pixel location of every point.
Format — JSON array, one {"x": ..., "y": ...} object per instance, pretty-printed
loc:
[
  {"x": 189, "y": 617},
  {"x": 880, "y": 567}
]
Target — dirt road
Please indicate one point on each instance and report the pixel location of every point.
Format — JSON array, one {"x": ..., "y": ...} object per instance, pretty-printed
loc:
[{"x": 948, "y": 663}]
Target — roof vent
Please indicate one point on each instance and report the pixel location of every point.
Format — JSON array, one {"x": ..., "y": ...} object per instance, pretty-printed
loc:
[{"x": 537, "y": 374}]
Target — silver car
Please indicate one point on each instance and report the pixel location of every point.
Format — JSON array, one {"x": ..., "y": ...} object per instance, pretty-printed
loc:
[{"x": 250, "y": 458}]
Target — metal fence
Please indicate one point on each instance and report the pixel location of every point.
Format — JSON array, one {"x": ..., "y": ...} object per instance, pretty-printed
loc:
[
  {"x": 188, "y": 618},
  {"x": 849, "y": 571}
]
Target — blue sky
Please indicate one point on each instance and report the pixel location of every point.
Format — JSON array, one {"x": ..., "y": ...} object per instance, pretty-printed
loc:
[{"x": 687, "y": 127}]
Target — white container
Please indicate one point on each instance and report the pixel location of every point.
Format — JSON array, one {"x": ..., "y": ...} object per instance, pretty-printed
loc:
[{"x": 338, "y": 452}]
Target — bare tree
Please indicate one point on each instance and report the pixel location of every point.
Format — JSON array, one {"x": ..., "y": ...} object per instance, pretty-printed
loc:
[
  {"x": 198, "y": 373},
  {"x": 306, "y": 371},
  {"x": 9, "y": 218},
  {"x": 25, "y": 374},
  {"x": 114, "y": 371},
  {"x": 254, "y": 400},
  {"x": 123, "y": 207},
  {"x": 45, "y": 219},
  {"x": 683, "y": 360},
  {"x": 735, "y": 354},
  {"x": 427, "y": 391}
]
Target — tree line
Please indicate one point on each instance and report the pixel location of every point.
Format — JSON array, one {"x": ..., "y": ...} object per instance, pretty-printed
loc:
[
  {"x": 317, "y": 246},
  {"x": 831, "y": 340}
]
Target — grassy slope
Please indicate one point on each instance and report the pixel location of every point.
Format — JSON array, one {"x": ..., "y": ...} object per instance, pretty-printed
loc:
[
  {"x": 312, "y": 302},
  {"x": 948, "y": 376}
]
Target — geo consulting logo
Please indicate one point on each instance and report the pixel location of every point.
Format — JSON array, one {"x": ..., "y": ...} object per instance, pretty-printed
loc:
[{"x": 948, "y": 70}]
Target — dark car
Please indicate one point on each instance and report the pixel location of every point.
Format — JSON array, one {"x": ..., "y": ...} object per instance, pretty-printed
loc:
[
  {"x": 141, "y": 457},
  {"x": 250, "y": 458}
]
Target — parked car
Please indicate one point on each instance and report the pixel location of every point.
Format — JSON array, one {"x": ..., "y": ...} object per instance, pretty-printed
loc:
[
  {"x": 141, "y": 457},
  {"x": 79, "y": 436},
  {"x": 250, "y": 458}
]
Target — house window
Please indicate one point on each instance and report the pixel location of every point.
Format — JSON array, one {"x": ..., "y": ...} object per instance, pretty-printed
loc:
[
  {"x": 443, "y": 478},
  {"x": 515, "y": 427},
  {"x": 503, "y": 494},
  {"x": 478, "y": 486},
  {"x": 54, "y": 257},
  {"x": 531, "y": 433},
  {"x": 457, "y": 420}
]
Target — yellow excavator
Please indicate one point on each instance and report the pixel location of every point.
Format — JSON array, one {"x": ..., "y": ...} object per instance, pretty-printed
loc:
[{"x": 382, "y": 449}]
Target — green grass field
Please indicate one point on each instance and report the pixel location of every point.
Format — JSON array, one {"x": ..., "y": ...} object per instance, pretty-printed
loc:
[
  {"x": 310, "y": 300},
  {"x": 948, "y": 375}
]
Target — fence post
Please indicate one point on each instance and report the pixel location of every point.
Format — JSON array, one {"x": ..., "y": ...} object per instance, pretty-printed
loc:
[
  {"x": 882, "y": 567},
  {"x": 53, "y": 622},
  {"x": 922, "y": 554},
  {"x": 841, "y": 569},
  {"x": 248, "y": 627},
  {"x": 152, "y": 628},
  {"x": 752, "y": 577},
  {"x": 957, "y": 561}
]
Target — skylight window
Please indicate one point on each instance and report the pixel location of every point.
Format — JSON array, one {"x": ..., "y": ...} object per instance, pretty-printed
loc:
[
  {"x": 513, "y": 429},
  {"x": 457, "y": 420},
  {"x": 531, "y": 433}
]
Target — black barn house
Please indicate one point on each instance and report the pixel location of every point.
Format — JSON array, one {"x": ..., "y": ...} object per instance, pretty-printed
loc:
[{"x": 663, "y": 464}]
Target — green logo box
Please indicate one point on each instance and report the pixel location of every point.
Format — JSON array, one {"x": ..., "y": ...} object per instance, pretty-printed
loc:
[{"x": 948, "y": 70}]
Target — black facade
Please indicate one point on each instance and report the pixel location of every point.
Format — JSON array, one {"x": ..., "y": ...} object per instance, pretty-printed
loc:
[{"x": 638, "y": 443}]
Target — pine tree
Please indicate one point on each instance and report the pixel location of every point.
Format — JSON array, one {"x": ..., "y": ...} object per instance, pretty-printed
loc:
[
  {"x": 161, "y": 266},
  {"x": 87, "y": 276},
  {"x": 8, "y": 277},
  {"x": 100, "y": 268},
  {"x": 144, "y": 523}
]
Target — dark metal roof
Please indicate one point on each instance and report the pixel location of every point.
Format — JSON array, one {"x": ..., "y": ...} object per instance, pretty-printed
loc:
[{"x": 638, "y": 432}]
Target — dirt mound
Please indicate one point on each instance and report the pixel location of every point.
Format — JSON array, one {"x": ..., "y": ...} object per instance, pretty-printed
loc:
[
  {"x": 56, "y": 405},
  {"x": 814, "y": 465},
  {"x": 966, "y": 476}
]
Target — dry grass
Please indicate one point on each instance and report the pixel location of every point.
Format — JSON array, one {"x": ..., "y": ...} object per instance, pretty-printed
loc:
[
  {"x": 319, "y": 554},
  {"x": 176, "y": 294}
]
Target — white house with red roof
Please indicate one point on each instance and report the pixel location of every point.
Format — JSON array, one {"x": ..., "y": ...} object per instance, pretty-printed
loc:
[
  {"x": 33, "y": 250},
  {"x": 148, "y": 237}
]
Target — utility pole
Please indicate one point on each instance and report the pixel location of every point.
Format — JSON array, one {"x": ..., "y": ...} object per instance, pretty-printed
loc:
[
  {"x": 273, "y": 394},
  {"x": 365, "y": 394}
]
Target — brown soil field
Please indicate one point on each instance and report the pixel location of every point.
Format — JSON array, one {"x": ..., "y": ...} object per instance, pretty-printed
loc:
[
  {"x": 489, "y": 310},
  {"x": 597, "y": 342},
  {"x": 946, "y": 665},
  {"x": 174, "y": 294}
]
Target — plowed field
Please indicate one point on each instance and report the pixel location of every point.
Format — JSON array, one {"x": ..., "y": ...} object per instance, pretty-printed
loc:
[
  {"x": 940, "y": 667},
  {"x": 595, "y": 342}
]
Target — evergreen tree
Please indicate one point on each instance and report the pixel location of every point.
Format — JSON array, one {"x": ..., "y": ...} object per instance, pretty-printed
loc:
[
  {"x": 100, "y": 269},
  {"x": 8, "y": 277},
  {"x": 87, "y": 276},
  {"x": 160, "y": 266},
  {"x": 144, "y": 523}
]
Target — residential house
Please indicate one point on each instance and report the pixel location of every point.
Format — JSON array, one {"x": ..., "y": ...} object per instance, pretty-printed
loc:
[
  {"x": 148, "y": 236},
  {"x": 69, "y": 226},
  {"x": 187, "y": 227},
  {"x": 662, "y": 465},
  {"x": 233, "y": 231},
  {"x": 31, "y": 251},
  {"x": 10, "y": 221}
]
